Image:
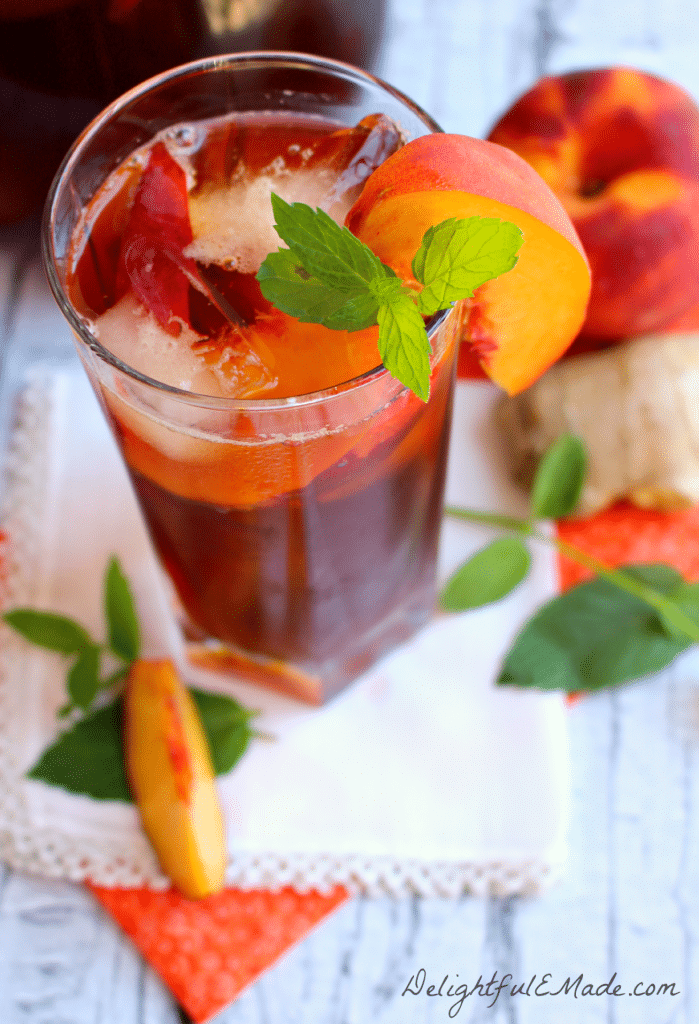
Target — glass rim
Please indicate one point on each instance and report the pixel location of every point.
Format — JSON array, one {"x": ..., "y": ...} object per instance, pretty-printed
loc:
[{"x": 252, "y": 60}]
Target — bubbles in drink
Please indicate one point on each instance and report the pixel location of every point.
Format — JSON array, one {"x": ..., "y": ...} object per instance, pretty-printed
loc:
[
  {"x": 130, "y": 332},
  {"x": 232, "y": 220},
  {"x": 183, "y": 138},
  {"x": 234, "y": 226},
  {"x": 232, "y": 367}
]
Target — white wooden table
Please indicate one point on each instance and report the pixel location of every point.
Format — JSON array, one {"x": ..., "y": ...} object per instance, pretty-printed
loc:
[{"x": 629, "y": 901}]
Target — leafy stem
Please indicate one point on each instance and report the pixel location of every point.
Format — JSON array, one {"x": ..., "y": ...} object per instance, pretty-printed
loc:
[
  {"x": 616, "y": 627},
  {"x": 669, "y": 609},
  {"x": 61, "y": 634},
  {"x": 87, "y": 757},
  {"x": 472, "y": 515}
]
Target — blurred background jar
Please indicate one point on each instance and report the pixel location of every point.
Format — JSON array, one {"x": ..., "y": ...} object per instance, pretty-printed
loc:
[{"x": 62, "y": 61}]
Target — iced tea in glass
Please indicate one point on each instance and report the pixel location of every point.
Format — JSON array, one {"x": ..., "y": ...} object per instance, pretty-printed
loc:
[{"x": 292, "y": 488}]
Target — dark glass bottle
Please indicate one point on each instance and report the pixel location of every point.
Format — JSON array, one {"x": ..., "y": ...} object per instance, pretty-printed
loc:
[{"x": 62, "y": 61}]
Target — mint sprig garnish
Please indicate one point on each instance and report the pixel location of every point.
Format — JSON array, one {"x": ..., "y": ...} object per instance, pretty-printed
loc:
[
  {"x": 87, "y": 675},
  {"x": 596, "y": 635},
  {"x": 328, "y": 276},
  {"x": 489, "y": 575},
  {"x": 88, "y": 757},
  {"x": 619, "y": 626}
]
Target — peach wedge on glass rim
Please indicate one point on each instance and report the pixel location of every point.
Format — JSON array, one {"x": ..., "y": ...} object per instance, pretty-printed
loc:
[
  {"x": 168, "y": 765},
  {"x": 519, "y": 323}
]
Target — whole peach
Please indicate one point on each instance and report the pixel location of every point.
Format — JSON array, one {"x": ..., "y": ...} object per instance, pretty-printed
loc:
[{"x": 620, "y": 148}]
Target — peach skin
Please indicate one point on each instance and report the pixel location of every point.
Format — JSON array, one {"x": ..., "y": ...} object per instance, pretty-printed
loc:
[
  {"x": 169, "y": 768},
  {"x": 521, "y": 322},
  {"x": 620, "y": 148}
]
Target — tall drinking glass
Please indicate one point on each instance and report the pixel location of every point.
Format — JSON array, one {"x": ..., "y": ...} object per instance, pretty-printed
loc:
[{"x": 299, "y": 533}]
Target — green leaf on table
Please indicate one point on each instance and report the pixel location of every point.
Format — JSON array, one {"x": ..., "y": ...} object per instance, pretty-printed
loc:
[
  {"x": 489, "y": 575},
  {"x": 559, "y": 478},
  {"x": 83, "y": 679},
  {"x": 594, "y": 636},
  {"x": 458, "y": 256},
  {"x": 227, "y": 727},
  {"x": 88, "y": 758},
  {"x": 48, "y": 630},
  {"x": 124, "y": 635}
]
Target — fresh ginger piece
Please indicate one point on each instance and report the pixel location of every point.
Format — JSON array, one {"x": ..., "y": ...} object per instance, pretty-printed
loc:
[
  {"x": 171, "y": 776},
  {"x": 635, "y": 407}
]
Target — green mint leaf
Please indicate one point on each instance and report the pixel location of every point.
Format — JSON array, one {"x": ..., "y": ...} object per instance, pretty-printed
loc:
[
  {"x": 83, "y": 679},
  {"x": 403, "y": 344},
  {"x": 458, "y": 256},
  {"x": 326, "y": 251},
  {"x": 284, "y": 282},
  {"x": 122, "y": 625},
  {"x": 88, "y": 758},
  {"x": 559, "y": 478},
  {"x": 46, "y": 629},
  {"x": 227, "y": 727},
  {"x": 594, "y": 636},
  {"x": 489, "y": 575},
  {"x": 329, "y": 276}
]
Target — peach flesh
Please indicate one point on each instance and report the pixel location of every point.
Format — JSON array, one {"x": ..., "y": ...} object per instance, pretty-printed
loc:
[
  {"x": 169, "y": 769},
  {"x": 523, "y": 321}
]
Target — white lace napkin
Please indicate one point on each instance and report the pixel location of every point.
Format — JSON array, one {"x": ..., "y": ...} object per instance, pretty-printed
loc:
[{"x": 421, "y": 777}]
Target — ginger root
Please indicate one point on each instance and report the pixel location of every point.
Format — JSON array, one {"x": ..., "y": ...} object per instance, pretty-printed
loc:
[{"x": 635, "y": 406}]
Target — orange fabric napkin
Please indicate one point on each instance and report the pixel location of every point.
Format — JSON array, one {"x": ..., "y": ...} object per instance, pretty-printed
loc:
[
  {"x": 208, "y": 951},
  {"x": 627, "y": 534}
]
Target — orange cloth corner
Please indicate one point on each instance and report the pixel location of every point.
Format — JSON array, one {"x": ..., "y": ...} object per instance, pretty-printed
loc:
[
  {"x": 625, "y": 534},
  {"x": 208, "y": 951}
]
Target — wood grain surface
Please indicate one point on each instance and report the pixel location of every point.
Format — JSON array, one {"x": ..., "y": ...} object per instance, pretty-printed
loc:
[{"x": 629, "y": 901}]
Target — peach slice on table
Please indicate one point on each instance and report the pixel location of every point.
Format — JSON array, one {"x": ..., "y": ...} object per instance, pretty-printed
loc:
[
  {"x": 521, "y": 322},
  {"x": 171, "y": 776}
]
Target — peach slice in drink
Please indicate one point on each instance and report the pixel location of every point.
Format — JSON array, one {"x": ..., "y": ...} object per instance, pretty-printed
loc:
[{"x": 518, "y": 323}]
